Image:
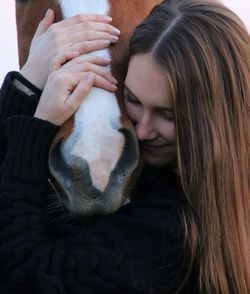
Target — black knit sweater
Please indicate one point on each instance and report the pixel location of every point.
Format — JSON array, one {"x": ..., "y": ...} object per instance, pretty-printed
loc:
[{"x": 135, "y": 250}]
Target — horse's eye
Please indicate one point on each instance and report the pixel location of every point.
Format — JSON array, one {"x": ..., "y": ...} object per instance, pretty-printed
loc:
[{"x": 21, "y": 1}]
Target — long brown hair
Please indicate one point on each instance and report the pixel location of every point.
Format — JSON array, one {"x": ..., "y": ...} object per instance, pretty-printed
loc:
[{"x": 205, "y": 50}]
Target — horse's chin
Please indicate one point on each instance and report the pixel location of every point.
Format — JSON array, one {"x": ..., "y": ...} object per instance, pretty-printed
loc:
[
  {"x": 84, "y": 207},
  {"x": 83, "y": 200}
]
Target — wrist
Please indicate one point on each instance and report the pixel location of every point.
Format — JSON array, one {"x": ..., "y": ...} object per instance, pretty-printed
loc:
[
  {"x": 46, "y": 117},
  {"x": 31, "y": 75}
]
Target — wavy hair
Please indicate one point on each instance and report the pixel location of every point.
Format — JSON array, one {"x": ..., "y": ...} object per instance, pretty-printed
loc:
[{"x": 205, "y": 50}]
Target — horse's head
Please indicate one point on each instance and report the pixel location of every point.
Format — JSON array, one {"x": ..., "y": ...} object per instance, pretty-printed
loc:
[{"x": 94, "y": 157}]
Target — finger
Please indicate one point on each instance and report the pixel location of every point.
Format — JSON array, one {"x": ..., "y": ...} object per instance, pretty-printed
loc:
[
  {"x": 62, "y": 58},
  {"x": 92, "y": 26},
  {"x": 100, "y": 69},
  {"x": 45, "y": 23},
  {"x": 90, "y": 58},
  {"x": 80, "y": 18},
  {"x": 90, "y": 36},
  {"x": 80, "y": 92},
  {"x": 82, "y": 63},
  {"x": 105, "y": 84},
  {"x": 90, "y": 46}
]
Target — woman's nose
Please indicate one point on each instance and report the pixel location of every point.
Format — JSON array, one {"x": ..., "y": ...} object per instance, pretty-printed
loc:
[{"x": 145, "y": 129}]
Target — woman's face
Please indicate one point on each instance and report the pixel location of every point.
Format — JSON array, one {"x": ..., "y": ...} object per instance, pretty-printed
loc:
[{"x": 149, "y": 106}]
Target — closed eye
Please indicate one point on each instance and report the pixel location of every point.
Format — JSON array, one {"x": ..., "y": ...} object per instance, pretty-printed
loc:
[
  {"x": 165, "y": 115},
  {"x": 129, "y": 98}
]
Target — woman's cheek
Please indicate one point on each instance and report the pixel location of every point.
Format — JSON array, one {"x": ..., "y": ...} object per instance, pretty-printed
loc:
[{"x": 168, "y": 131}]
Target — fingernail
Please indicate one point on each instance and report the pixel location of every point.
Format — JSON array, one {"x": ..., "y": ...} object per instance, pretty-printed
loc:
[
  {"x": 117, "y": 32},
  {"x": 115, "y": 81},
  {"x": 47, "y": 13},
  {"x": 114, "y": 39},
  {"x": 106, "y": 42},
  {"x": 108, "y": 18},
  {"x": 108, "y": 60}
]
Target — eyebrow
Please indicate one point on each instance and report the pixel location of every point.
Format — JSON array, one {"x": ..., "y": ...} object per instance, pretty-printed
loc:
[{"x": 155, "y": 108}]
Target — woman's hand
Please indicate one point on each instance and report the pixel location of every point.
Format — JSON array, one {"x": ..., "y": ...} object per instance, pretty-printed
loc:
[
  {"x": 82, "y": 33},
  {"x": 70, "y": 82}
]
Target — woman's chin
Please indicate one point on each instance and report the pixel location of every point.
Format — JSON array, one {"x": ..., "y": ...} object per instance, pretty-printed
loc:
[{"x": 159, "y": 160}]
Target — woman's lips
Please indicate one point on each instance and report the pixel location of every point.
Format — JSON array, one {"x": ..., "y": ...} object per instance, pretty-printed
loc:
[{"x": 153, "y": 147}]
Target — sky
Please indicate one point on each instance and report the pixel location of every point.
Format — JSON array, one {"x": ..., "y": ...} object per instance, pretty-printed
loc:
[{"x": 8, "y": 48}]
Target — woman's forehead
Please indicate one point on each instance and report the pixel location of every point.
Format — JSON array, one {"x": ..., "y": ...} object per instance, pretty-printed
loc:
[{"x": 148, "y": 81}]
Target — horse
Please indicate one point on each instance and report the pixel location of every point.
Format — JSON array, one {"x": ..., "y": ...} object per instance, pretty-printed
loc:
[{"x": 94, "y": 158}]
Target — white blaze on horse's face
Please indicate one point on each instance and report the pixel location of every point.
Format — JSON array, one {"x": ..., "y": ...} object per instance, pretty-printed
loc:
[
  {"x": 94, "y": 164},
  {"x": 97, "y": 122},
  {"x": 72, "y": 7}
]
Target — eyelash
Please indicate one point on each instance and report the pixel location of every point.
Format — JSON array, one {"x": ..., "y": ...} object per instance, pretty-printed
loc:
[
  {"x": 128, "y": 98},
  {"x": 163, "y": 115},
  {"x": 160, "y": 114}
]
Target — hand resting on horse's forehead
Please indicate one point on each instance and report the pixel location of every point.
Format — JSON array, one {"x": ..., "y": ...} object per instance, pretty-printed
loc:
[
  {"x": 81, "y": 33},
  {"x": 69, "y": 83}
]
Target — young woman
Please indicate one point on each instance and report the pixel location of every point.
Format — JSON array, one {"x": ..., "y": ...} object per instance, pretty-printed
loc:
[{"x": 187, "y": 92}]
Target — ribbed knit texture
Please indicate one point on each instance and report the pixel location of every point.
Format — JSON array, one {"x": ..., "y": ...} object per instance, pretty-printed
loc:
[
  {"x": 13, "y": 102},
  {"x": 28, "y": 141},
  {"x": 17, "y": 102}
]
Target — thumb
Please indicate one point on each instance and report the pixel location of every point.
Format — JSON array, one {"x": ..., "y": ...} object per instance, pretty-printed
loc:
[
  {"x": 45, "y": 23},
  {"x": 81, "y": 91}
]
